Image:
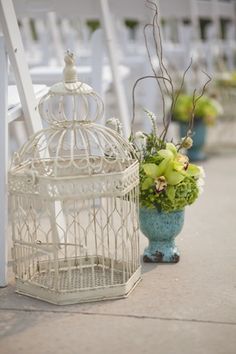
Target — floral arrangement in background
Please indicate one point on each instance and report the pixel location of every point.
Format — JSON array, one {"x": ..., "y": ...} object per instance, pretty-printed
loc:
[
  {"x": 168, "y": 182},
  {"x": 206, "y": 109},
  {"x": 227, "y": 79}
]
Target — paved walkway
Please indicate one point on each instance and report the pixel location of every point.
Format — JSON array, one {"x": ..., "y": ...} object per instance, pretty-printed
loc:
[{"x": 187, "y": 308}]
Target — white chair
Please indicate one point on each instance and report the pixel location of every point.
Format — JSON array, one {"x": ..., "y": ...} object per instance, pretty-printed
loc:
[
  {"x": 29, "y": 106},
  {"x": 81, "y": 10}
]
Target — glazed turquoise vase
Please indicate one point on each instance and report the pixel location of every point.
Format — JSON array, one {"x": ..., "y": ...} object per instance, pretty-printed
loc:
[
  {"x": 196, "y": 152},
  {"x": 161, "y": 229}
]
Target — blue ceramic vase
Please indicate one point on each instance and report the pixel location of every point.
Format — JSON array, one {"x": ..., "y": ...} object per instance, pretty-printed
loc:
[
  {"x": 196, "y": 152},
  {"x": 161, "y": 229}
]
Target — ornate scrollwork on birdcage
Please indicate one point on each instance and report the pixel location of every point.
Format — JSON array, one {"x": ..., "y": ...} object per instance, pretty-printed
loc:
[{"x": 74, "y": 197}]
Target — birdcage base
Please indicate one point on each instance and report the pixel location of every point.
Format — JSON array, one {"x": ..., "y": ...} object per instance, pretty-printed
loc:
[{"x": 75, "y": 285}]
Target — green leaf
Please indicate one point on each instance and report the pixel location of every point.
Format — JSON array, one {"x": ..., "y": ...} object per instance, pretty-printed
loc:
[
  {"x": 170, "y": 191},
  {"x": 174, "y": 177},
  {"x": 151, "y": 170},
  {"x": 147, "y": 183}
]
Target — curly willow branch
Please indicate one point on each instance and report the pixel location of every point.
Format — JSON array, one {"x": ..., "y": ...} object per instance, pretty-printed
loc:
[
  {"x": 181, "y": 85},
  {"x": 165, "y": 76},
  {"x": 154, "y": 72},
  {"x": 173, "y": 103},
  {"x": 154, "y": 25},
  {"x": 195, "y": 100},
  {"x": 159, "y": 50},
  {"x": 194, "y": 103},
  {"x": 133, "y": 94}
]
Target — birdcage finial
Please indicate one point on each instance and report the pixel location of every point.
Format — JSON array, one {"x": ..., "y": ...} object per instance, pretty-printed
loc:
[
  {"x": 69, "y": 72},
  {"x": 72, "y": 100}
]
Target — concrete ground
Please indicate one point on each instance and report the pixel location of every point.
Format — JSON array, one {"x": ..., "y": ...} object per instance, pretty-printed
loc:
[{"x": 187, "y": 308}]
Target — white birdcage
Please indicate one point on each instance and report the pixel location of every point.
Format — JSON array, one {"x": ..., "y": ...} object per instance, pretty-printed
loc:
[{"x": 74, "y": 201}]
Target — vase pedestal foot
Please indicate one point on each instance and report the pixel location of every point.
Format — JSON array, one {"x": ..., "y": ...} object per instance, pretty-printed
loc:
[
  {"x": 161, "y": 229},
  {"x": 166, "y": 255}
]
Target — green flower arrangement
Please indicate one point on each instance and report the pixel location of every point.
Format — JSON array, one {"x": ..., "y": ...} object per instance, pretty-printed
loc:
[
  {"x": 227, "y": 80},
  {"x": 168, "y": 181},
  {"x": 206, "y": 109}
]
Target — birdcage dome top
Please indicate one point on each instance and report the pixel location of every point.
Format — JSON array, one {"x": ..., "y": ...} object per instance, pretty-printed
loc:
[
  {"x": 73, "y": 144},
  {"x": 74, "y": 150},
  {"x": 70, "y": 100}
]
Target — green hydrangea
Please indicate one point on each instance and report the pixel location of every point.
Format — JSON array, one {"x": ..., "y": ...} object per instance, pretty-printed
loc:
[{"x": 185, "y": 193}]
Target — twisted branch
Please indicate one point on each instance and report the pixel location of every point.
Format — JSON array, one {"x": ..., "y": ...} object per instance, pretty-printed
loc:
[
  {"x": 164, "y": 77},
  {"x": 133, "y": 94}
]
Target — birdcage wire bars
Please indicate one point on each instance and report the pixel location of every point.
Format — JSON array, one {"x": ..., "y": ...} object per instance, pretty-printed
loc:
[{"x": 74, "y": 201}]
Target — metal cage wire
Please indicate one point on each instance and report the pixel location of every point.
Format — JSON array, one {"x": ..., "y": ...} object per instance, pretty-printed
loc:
[{"x": 74, "y": 196}]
